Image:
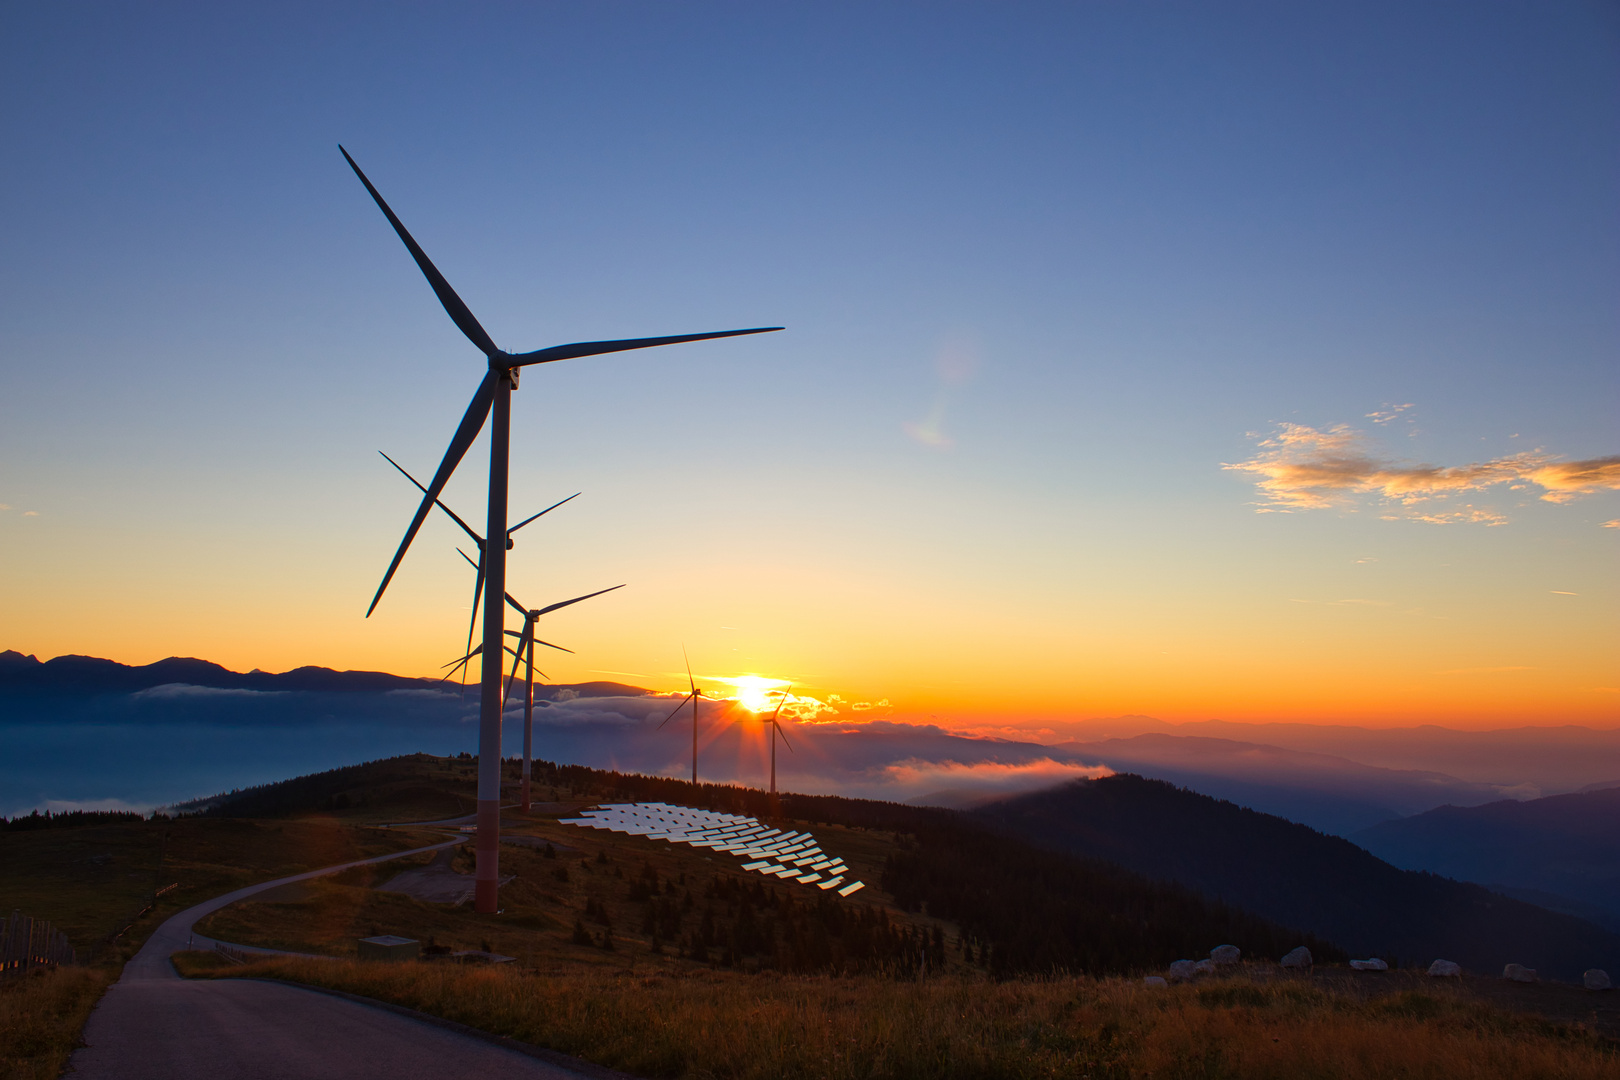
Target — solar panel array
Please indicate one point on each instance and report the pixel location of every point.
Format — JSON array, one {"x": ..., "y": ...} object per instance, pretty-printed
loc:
[{"x": 791, "y": 856}]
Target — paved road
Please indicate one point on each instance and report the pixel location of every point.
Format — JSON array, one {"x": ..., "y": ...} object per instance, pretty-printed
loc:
[{"x": 153, "y": 1025}]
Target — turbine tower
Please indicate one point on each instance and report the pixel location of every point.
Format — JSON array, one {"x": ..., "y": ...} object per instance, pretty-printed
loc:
[
  {"x": 493, "y": 397},
  {"x": 478, "y": 586}
]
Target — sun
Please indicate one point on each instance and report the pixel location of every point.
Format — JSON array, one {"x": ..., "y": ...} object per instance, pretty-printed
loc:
[{"x": 755, "y": 693}]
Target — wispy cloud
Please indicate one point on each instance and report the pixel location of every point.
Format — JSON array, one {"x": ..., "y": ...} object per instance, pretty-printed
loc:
[
  {"x": 1306, "y": 468},
  {"x": 1615, "y": 524},
  {"x": 186, "y": 691},
  {"x": 1388, "y": 413},
  {"x": 954, "y": 783},
  {"x": 1483, "y": 670}
]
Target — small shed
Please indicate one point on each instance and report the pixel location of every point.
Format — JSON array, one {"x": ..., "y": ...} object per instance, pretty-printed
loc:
[{"x": 390, "y": 947}]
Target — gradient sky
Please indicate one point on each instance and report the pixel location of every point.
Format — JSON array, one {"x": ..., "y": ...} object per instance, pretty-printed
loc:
[{"x": 1117, "y": 335}]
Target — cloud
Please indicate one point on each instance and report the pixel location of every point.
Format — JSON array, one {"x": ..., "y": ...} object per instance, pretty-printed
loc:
[
  {"x": 187, "y": 692},
  {"x": 1483, "y": 670},
  {"x": 959, "y": 784},
  {"x": 1388, "y": 413},
  {"x": 1565, "y": 480},
  {"x": 1615, "y": 524},
  {"x": 1306, "y": 468},
  {"x": 866, "y": 706},
  {"x": 30, "y": 513}
]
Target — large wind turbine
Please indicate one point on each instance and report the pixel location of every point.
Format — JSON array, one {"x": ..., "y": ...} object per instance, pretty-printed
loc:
[
  {"x": 525, "y": 653},
  {"x": 478, "y": 585},
  {"x": 493, "y": 396}
]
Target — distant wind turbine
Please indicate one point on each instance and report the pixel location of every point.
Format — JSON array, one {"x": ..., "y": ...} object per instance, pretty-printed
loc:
[
  {"x": 493, "y": 396},
  {"x": 478, "y": 587},
  {"x": 694, "y": 697},
  {"x": 525, "y": 653},
  {"x": 776, "y": 729}
]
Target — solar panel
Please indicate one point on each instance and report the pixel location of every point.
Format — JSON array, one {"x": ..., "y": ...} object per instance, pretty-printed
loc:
[{"x": 791, "y": 856}]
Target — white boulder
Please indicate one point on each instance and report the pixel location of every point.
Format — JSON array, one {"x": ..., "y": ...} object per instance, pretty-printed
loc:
[
  {"x": 1225, "y": 954},
  {"x": 1446, "y": 969},
  {"x": 1183, "y": 969},
  {"x": 1205, "y": 967},
  {"x": 1519, "y": 973},
  {"x": 1298, "y": 958},
  {"x": 1596, "y": 979},
  {"x": 1373, "y": 964},
  {"x": 1154, "y": 981}
]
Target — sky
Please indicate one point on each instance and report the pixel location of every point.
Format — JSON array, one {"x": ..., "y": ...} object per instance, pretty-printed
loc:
[{"x": 1240, "y": 361}]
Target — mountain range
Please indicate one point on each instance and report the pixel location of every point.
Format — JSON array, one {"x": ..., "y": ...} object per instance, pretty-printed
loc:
[{"x": 1280, "y": 870}]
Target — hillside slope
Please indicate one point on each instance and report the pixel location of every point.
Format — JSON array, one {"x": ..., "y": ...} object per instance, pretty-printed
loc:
[
  {"x": 1563, "y": 846},
  {"x": 1293, "y": 874}
]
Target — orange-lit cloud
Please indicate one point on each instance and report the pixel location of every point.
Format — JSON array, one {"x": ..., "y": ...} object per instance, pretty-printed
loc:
[{"x": 1306, "y": 468}]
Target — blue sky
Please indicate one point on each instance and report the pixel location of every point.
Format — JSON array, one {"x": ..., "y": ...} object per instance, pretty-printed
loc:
[{"x": 1082, "y": 250}]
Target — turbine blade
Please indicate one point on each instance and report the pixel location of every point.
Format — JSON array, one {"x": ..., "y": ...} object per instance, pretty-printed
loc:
[
  {"x": 542, "y": 513},
  {"x": 521, "y": 610},
  {"x": 596, "y": 348},
  {"x": 549, "y": 645},
  {"x": 472, "y": 422},
  {"x": 478, "y": 593},
  {"x": 780, "y": 731},
  {"x": 517, "y": 658},
  {"x": 575, "y": 600},
  {"x": 453, "y": 305},
  {"x": 479, "y": 540},
  {"x": 688, "y": 660},
  {"x": 780, "y": 702},
  {"x": 673, "y": 711}
]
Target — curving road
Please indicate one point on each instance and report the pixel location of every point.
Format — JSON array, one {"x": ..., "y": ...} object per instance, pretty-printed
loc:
[{"x": 154, "y": 1025}]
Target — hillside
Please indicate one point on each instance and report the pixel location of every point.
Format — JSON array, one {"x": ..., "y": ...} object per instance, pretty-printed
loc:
[
  {"x": 1287, "y": 872},
  {"x": 1562, "y": 851},
  {"x": 1010, "y": 906}
]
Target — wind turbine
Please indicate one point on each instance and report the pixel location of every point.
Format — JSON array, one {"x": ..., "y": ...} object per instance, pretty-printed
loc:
[
  {"x": 776, "y": 729},
  {"x": 526, "y": 642},
  {"x": 493, "y": 396},
  {"x": 478, "y": 587},
  {"x": 694, "y": 698}
]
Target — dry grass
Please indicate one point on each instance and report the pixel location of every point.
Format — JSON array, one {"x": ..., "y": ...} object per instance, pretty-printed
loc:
[
  {"x": 41, "y": 1016},
  {"x": 721, "y": 1024}
]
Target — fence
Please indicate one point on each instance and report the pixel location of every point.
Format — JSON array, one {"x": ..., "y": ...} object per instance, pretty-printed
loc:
[{"x": 29, "y": 943}]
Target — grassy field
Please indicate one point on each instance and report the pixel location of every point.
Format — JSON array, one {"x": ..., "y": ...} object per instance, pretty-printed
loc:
[
  {"x": 93, "y": 882},
  {"x": 742, "y": 1027}
]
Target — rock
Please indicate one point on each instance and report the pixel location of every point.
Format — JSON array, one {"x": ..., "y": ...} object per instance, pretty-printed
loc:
[
  {"x": 1374, "y": 964},
  {"x": 1205, "y": 967},
  {"x": 1154, "y": 981},
  {"x": 1519, "y": 973},
  {"x": 1596, "y": 979},
  {"x": 1299, "y": 958},
  {"x": 1183, "y": 969},
  {"x": 1226, "y": 954},
  {"x": 1446, "y": 969}
]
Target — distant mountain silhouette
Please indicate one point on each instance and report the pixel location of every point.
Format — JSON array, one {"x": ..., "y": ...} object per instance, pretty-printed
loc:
[
  {"x": 1287, "y": 872},
  {"x": 86, "y": 676},
  {"x": 1561, "y": 852},
  {"x": 1324, "y": 791}
]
